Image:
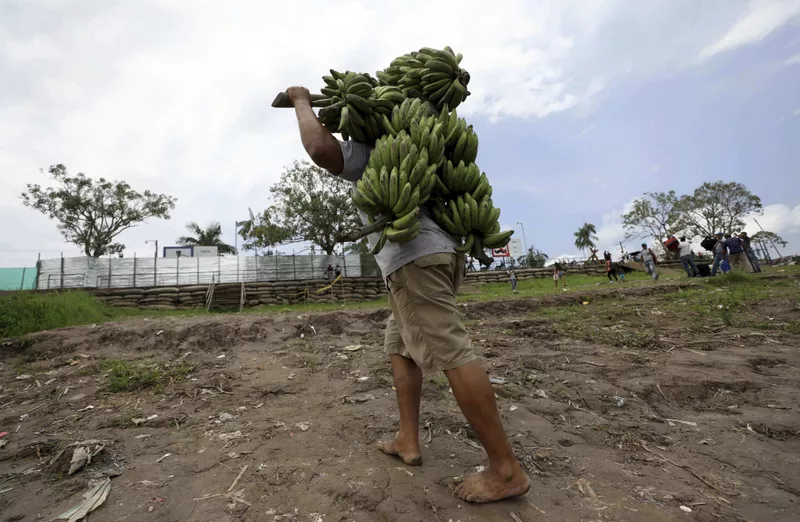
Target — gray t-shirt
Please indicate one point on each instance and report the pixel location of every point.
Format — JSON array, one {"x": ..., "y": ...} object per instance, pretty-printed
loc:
[
  {"x": 647, "y": 255},
  {"x": 393, "y": 256}
]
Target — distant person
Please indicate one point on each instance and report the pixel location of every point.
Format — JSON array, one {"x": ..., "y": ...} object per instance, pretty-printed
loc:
[
  {"x": 558, "y": 275},
  {"x": 737, "y": 257},
  {"x": 329, "y": 273},
  {"x": 685, "y": 254},
  {"x": 649, "y": 260},
  {"x": 610, "y": 270},
  {"x": 751, "y": 253},
  {"x": 337, "y": 271},
  {"x": 513, "y": 278},
  {"x": 720, "y": 253},
  {"x": 621, "y": 273},
  {"x": 471, "y": 265}
]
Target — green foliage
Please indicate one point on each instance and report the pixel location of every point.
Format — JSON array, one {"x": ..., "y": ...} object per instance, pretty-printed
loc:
[
  {"x": 262, "y": 233},
  {"x": 767, "y": 237},
  {"x": 657, "y": 215},
  {"x": 535, "y": 258},
  {"x": 26, "y": 312},
  {"x": 209, "y": 236},
  {"x": 314, "y": 206},
  {"x": 123, "y": 376},
  {"x": 358, "y": 247},
  {"x": 585, "y": 237},
  {"x": 718, "y": 207},
  {"x": 91, "y": 213}
]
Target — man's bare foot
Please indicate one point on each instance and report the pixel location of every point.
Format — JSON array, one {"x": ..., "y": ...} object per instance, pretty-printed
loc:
[
  {"x": 408, "y": 454},
  {"x": 489, "y": 486}
]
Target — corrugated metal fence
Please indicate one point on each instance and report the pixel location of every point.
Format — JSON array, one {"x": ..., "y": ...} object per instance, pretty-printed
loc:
[{"x": 88, "y": 272}]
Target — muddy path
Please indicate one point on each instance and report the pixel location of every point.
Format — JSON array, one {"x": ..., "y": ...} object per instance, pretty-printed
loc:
[{"x": 636, "y": 406}]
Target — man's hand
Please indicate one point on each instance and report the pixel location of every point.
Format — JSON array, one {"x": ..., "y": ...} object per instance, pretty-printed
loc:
[{"x": 298, "y": 94}]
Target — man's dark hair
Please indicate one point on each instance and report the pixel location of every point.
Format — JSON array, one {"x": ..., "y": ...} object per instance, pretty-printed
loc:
[{"x": 683, "y": 238}]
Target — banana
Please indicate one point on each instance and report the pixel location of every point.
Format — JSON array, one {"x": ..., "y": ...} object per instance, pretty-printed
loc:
[
  {"x": 471, "y": 150},
  {"x": 401, "y": 236},
  {"x": 467, "y": 246},
  {"x": 455, "y": 215},
  {"x": 387, "y": 126},
  {"x": 419, "y": 169},
  {"x": 344, "y": 117},
  {"x": 458, "y": 151},
  {"x": 402, "y": 199},
  {"x": 384, "y": 183},
  {"x": 498, "y": 240},
  {"x": 440, "y": 187},
  {"x": 445, "y": 222},
  {"x": 393, "y": 191},
  {"x": 481, "y": 189},
  {"x": 407, "y": 220},
  {"x": 495, "y": 228},
  {"x": 473, "y": 211},
  {"x": 413, "y": 202}
]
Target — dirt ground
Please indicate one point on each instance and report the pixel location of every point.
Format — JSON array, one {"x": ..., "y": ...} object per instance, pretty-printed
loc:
[{"x": 633, "y": 407}]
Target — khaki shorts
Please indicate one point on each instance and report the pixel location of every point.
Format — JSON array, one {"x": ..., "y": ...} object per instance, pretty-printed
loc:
[{"x": 425, "y": 324}]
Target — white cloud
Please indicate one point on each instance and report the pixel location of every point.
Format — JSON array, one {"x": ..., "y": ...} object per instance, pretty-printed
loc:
[
  {"x": 779, "y": 218},
  {"x": 792, "y": 60},
  {"x": 760, "y": 19},
  {"x": 174, "y": 95}
]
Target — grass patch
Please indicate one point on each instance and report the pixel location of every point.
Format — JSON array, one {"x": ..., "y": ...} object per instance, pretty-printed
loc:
[
  {"x": 26, "y": 312},
  {"x": 123, "y": 376}
]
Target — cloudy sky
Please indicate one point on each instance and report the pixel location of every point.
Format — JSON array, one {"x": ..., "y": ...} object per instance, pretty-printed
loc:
[{"x": 581, "y": 105}]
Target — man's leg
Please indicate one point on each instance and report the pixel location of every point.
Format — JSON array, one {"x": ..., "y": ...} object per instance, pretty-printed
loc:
[
  {"x": 715, "y": 266},
  {"x": 693, "y": 266},
  {"x": 408, "y": 383},
  {"x": 475, "y": 396},
  {"x": 408, "y": 386},
  {"x": 685, "y": 264}
]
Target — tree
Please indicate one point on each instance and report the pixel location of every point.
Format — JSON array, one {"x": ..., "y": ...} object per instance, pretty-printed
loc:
[
  {"x": 657, "y": 215},
  {"x": 210, "y": 236},
  {"x": 91, "y": 213},
  {"x": 314, "y": 206},
  {"x": 585, "y": 237},
  {"x": 718, "y": 207},
  {"x": 359, "y": 247},
  {"x": 535, "y": 258},
  {"x": 262, "y": 233},
  {"x": 767, "y": 237}
]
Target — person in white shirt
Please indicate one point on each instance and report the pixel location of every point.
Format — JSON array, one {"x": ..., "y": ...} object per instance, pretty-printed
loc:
[{"x": 687, "y": 259}]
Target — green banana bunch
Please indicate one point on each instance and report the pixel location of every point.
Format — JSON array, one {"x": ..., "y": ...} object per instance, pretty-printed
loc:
[
  {"x": 403, "y": 114},
  {"x": 399, "y": 178},
  {"x": 355, "y": 105},
  {"x": 432, "y": 74},
  {"x": 477, "y": 222}
]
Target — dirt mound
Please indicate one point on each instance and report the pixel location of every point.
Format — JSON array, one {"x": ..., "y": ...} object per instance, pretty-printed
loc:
[{"x": 629, "y": 408}]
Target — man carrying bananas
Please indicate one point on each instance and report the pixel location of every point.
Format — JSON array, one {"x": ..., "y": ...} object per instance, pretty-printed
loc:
[{"x": 424, "y": 331}]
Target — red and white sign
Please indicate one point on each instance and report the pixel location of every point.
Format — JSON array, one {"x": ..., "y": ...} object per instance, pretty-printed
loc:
[{"x": 501, "y": 252}]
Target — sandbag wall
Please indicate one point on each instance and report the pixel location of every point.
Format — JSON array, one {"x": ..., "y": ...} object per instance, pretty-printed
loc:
[
  {"x": 500, "y": 276},
  {"x": 228, "y": 295}
]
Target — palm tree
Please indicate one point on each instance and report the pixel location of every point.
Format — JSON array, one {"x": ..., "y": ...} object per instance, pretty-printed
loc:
[
  {"x": 210, "y": 236},
  {"x": 585, "y": 237}
]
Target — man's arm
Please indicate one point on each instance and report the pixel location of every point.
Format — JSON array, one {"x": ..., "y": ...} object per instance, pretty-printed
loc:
[{"x": 322, "y": 147}]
